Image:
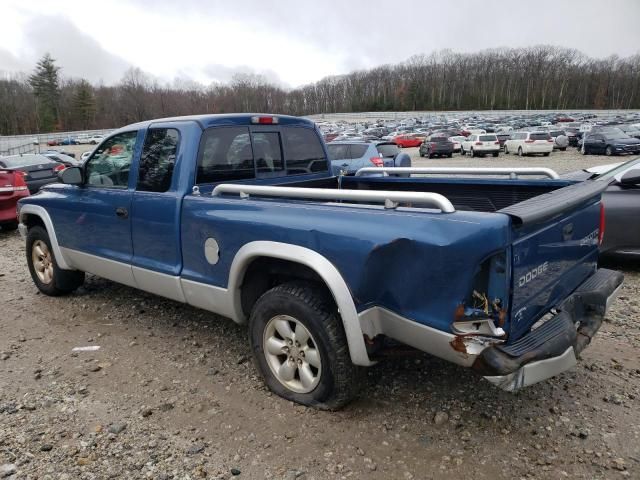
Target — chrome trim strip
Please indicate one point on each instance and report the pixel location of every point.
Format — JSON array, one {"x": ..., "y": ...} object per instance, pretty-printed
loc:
[
  {"x": 379, "y": 320},
  {"x": 433, "y": 199},
  {"x": 535, "y": 372},
  {"x": 513, "y": 172},
  {"x": 37, "y": 210},
  {"x": 323, "y": 267}
]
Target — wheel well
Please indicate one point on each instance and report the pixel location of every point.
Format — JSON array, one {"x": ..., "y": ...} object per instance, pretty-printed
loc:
[
  {"x": 264, "y": 273},
  {"x": 33, "y": 220}
]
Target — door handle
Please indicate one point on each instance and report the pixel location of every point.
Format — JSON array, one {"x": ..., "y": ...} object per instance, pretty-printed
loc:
[{"x": 122, "y": 212}]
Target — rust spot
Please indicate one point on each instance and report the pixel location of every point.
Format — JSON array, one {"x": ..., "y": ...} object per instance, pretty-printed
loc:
[
  {"x": 458, "y": 344},
  {"x": 459, "y": 313}
]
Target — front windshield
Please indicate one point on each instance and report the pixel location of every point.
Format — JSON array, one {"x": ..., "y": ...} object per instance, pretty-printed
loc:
[{"x": 619, "y": 169}]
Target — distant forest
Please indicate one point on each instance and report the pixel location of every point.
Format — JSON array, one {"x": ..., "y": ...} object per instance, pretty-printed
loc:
[{"x": 541, "y": 77}]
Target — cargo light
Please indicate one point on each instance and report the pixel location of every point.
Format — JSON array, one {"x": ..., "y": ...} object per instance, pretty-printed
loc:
[{"x": 264, "y": 120}]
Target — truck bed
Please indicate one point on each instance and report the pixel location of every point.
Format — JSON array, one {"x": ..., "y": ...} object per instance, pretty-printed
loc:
[{"x": 468, "y": 194}]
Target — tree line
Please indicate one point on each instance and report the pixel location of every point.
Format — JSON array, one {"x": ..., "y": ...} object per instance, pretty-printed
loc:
[{"x": 540, "y": 77}]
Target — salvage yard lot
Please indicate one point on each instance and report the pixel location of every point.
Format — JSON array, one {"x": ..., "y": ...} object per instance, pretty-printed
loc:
[{"x": 172, "y": 393}]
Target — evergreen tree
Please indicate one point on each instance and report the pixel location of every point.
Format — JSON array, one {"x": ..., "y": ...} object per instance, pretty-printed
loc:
[
  {"x": 46, "y": 88},
  {"x": 84, "y": 104}
]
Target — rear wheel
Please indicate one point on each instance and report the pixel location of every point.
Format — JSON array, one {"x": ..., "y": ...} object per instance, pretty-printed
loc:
[
  {"x": 472, "y": 153},
  {"x": 495, "y": 154},
  {"x": 546, "y": 154},
  {"x": 450, "y": 154},
  {"x": 462, "y": 152},
  {"x": 520, "y": 152},
  {"x": 506, "y": 150},
  {"x": 608, "y": 151},
  {"x": 48, "y": 277},
  {"x": 300, "y": 347}
]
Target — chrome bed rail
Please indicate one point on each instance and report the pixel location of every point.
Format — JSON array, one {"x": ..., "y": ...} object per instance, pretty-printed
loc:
[
  {"x": 390, "y": 199},
  {"x": 512, "y": 172}
]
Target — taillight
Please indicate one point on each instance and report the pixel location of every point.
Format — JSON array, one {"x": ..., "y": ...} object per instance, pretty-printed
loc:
[
  {"x": 377, "y": 161},
  {"x": 550, "y": 140},
  {"x": 478, "y": 143},
  {"x": 19, "y": 183},
  {"x": 529, "y": 141},
  {"x": 433, "y": 145},
  {"x": 602, "y": 218},
  {"x": 497, "y": 143},
  {"x": 59, "y": 168}
]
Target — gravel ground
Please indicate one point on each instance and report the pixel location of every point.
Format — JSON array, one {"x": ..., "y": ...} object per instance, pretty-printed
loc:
[{"x": 173, "y": 394}]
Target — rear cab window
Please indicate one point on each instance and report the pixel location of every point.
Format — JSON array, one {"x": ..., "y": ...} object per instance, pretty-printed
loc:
[
  {"x": 488, "y": 138},
  {"x": 242, "y": 153},
  {"x": 539, "y": 136}
]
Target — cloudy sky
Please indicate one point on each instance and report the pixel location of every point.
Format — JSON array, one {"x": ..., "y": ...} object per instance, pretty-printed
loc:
[{"x": 292, "y": 42}]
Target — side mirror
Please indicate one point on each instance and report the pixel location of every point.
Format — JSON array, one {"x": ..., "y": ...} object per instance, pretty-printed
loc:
[
  {"x": 71, "y": 176},
  {"x": 632, "y": 177}
]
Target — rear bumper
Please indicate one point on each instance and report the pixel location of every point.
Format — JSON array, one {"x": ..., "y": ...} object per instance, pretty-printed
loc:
[
  {"x": 554, "y": 346},
  {"x": 8, "y": 206},
  {"x": 538, "y": 148}
]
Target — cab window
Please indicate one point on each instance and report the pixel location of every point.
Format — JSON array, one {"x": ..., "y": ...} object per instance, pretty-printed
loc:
[
  {"x": 158, "y": 160},
  {"x": 109, "y": 166}
]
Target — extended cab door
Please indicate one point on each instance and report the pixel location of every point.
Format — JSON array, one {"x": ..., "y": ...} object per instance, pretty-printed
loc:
[
  {"x": 93, "y": 223},
  {"x": 156, "y": 203}
]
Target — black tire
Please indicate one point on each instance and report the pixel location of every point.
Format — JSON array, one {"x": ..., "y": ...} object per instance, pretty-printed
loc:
[
  {"x": 546, "y": 154},
  {"x": 495, "y": 154},
  {"x": 608, "y": 151},
  {"x": 506, "y": 150},
  {"x": 62, "y": 281},
  {"x": 430, "y": 155},
  {"x": 520, "y": 152},
  {"x": 9, "y": 226},
  {"x": 449, "y": 155},
  {"x": 472, "y": 153},
  {"x": 564, "y": 149},
  {"x": 462, "y": 152},
  {"x": 339, "y": 380},
  {"x": 421, "y": 154}
]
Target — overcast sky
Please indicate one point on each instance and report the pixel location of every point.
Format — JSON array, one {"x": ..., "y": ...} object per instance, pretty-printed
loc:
[{"x": 292, "y": 42}]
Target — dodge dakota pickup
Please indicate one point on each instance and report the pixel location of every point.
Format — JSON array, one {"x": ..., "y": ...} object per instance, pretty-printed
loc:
[{"x": 240, "y": 215}]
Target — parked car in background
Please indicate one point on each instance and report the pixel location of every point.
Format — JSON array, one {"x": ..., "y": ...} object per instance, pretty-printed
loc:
[
  {"x": 95, "y": 139},
  {"x": 621, "y": 204},
  {"x": 13, "y": 187},
  {"x": 481, "y": 145},
  {"x": 436, "y": 146},
  {"x": 560, "y": 139},
  {"x": 610, "y": 143},
  {"x": 631, "y": 130},
  {"x": 349, "y": 157},
  {"x": 83, "y": 139},
  {"x": 529, "y": 143},
  {"x": 405, "y": 141},
  {"x": 457, "y": 142},
  {"x": 56, "y": 152},
  {"x": 503, "y": 137},
  {"x": 59, "y": 157},
  {"x": 38, "y": 170},
  {"x": 67, "y": 141}
]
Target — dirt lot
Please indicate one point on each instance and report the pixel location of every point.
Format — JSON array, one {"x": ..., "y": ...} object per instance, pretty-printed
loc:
[{"x": 172, "y": 393}]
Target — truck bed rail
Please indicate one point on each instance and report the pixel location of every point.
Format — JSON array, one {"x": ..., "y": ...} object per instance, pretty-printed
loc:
[
  {"x": 390, "y": 199},
  {"x": 512, "y": 172}
]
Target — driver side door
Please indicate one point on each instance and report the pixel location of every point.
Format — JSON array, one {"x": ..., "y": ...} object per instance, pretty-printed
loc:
[{"x": 93, "y": 223}]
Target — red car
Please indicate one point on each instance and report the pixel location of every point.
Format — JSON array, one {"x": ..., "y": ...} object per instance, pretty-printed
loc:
[
  {"x": 12, "y": 188},
  {"x": 404, "y": 141}
]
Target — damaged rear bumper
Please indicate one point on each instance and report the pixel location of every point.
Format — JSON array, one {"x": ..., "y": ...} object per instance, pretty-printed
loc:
[{"x": 553, "y": 347}]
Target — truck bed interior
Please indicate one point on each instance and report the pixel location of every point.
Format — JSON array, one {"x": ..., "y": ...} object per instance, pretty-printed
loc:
[{"x": 470, "y": 194}]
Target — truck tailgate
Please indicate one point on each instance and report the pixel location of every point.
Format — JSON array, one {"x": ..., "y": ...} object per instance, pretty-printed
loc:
[{"x": 555, "y": 249}]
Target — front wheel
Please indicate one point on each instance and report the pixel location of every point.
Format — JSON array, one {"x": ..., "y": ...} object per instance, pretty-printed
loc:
[
  {"x": 506, "y": 150},
  {"x": 472, "y": 153},
  {"x": 546, "y": 154},
  {"x": 462, "y": 152},
  {"x": 48, "y": 277},
  {"x": 608, "y": 151},
  {"x": 520, "y": 152},
  {"x": 300, "y": 347}
]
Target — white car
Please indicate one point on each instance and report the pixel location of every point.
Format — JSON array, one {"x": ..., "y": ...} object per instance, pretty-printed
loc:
[
  {"x": 96, "y": 139},
  {"x": 457, "y": 142},
  {"x": 83, "y": 139},
  {"x": 481, "y": 145},
  {"x": 528, "y": 143}
]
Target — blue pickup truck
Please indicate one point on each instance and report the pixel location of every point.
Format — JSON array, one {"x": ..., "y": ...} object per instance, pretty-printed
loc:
[{"x": 240, "y": 215}]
